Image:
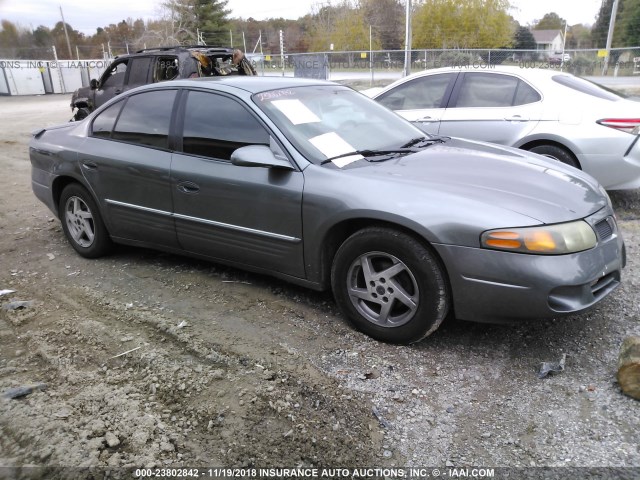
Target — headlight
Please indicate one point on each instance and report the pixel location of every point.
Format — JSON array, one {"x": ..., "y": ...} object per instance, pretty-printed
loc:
[{"x": 556, "y": 239}]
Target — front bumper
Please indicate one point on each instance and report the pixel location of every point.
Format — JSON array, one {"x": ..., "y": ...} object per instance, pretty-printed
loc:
[{"x": 503, "y": 287}]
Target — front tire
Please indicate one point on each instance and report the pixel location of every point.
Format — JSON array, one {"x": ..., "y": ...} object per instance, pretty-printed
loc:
[
  {"x": 82, "y": 222},
  {"x": 390, "y": 285}
]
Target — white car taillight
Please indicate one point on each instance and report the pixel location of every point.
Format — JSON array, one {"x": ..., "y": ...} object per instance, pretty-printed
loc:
[{"x": 629, "y": 125}]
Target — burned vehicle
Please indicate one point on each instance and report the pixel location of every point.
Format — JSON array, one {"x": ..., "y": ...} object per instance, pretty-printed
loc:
[{"x": 153, "y": 65}]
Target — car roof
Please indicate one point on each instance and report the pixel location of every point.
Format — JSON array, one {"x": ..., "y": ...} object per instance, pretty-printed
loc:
[
  {"x": 178, "y": 49},
  {"x": 538, "y": 76},
  {"x": 526, "y": 72},
  {"x": 199, "y": 48},
  {"x": 251, "y": 84}
]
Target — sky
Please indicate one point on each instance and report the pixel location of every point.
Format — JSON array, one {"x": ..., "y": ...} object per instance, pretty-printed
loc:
[{"x": 86, "y": 16}]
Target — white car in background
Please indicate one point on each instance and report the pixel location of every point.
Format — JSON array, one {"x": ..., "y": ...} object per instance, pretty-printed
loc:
[{"x": 549, "y": 112}]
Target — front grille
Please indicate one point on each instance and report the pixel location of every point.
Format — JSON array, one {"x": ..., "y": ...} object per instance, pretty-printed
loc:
[{"x": 604, "y": 229}]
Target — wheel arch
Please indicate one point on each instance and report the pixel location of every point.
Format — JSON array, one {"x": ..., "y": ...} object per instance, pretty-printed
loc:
[
  {"x": 541, "y": 141},
  {"x": 86, "y": 231},
  {"x": 81, "y": 103},
  {"x": 61, "y": 182},
  {"x": 339, "y": 232}
]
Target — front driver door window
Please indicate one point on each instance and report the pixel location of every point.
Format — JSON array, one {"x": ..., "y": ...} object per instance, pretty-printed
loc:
[
  {"x": 421, "y": 100},
  {"x": 249, "y": 215}
]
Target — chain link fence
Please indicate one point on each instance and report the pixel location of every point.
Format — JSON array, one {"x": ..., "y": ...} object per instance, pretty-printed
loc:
[
  {"x": 579, "y": 60},
  {"x": 359, "y": 69},
  {"x": 379, "y": 66}
]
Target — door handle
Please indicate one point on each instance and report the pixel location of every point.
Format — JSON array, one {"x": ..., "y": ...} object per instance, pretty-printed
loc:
[
  {"x": 188, "y": 187},
  {"x": 427, "y": 119},
  {"x": 516, "y": 118},
  {"x": 89, "y": 165}
]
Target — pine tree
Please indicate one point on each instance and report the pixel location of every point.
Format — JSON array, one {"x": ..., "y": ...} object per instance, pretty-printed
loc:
[{"x": 189, "y": 17}]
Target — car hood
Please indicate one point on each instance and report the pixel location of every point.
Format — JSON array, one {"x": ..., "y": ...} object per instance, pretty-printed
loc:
[{"x": 528, "y": 184}]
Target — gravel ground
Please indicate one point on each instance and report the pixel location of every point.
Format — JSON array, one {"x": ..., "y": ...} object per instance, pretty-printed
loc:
[{"x": 155, "y": 360}]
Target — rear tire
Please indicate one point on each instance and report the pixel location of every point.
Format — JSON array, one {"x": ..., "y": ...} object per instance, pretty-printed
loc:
[
  {"x": 390, "y": 285},
  {"x": 82, "y": 222},
  {"x": 557, "y": 153}
]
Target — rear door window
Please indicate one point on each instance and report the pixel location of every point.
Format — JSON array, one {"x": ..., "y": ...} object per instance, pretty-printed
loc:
[
  {"x": 103, "y": 123},
  {"x": 166, "y": 68},
  {"x": 525, "y": 94},
  {"x": 492, "y": 90},
  {"x": 139, "y": 71},
  {"x": 145, "y": 119}
]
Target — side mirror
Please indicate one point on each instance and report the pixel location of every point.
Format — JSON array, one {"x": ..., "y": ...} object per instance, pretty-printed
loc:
[
  {"x": 258, "y": 156},
  {"x": 93, "y": 84}
]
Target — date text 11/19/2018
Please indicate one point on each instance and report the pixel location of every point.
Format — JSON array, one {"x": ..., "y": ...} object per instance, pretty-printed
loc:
[{"x": 329, "y": 473}]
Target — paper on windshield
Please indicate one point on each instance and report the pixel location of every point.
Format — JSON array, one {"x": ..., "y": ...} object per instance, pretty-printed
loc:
[
  {"x": 296, "y": 111},
  {"x": 331, "y": 145}
]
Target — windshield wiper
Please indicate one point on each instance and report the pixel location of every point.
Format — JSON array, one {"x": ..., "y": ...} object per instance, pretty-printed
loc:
[
  {"x": 368, "y": 153},
  {"x": 427, "y": 140}
]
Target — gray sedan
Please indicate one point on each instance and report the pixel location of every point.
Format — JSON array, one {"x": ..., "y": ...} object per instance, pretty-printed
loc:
[{"x": 314, "y": 183}]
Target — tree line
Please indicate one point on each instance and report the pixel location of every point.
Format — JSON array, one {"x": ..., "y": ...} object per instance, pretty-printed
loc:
[{"x": 342, "y": 25}]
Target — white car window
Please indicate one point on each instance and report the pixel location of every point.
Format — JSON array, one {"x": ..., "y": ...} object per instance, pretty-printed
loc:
[
  {"x": 486, "y": 90},
  {"x": 584, "y": 86},
  {"x": 492, "y": 90},
  {"x": 525, "y": 94},
  {"x": 421, "y": 93}
]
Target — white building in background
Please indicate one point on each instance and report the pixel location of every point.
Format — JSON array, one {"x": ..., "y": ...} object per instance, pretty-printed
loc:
[{"x": 551, "y": 41}]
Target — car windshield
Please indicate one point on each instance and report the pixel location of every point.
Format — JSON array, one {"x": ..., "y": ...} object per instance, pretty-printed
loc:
[{"x": 324, "y": 122}]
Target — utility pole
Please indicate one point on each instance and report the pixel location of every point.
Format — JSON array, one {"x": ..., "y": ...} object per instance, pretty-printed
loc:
[
  {"x": 371, "y": 55},
  {"x": 407, "y": 42},
  {"x": 564, "y": 43},
  {"x": 282, "y": 50},
  {"x": 64, "y": 25},
  {"x": 612, "y": 23}
]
